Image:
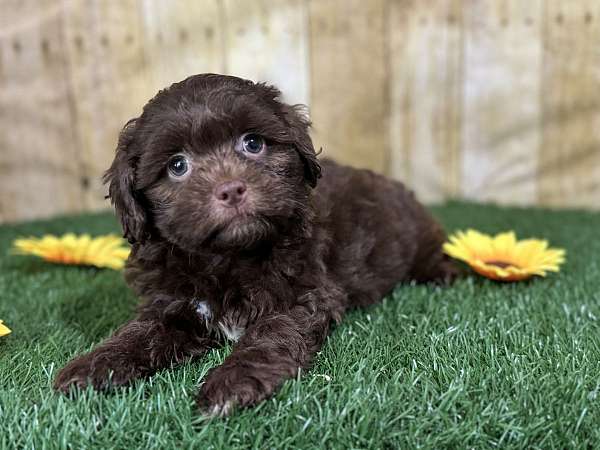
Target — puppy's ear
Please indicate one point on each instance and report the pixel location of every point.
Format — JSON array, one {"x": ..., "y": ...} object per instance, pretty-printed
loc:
[
  {"x": 120, "y": 178},
  {"x": 300, "y": 124}
]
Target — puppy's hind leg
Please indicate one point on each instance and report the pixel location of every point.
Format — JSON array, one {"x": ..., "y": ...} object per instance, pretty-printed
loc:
[{"x": 164, "y": 333}]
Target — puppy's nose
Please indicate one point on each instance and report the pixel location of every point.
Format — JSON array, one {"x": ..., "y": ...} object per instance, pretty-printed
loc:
[{"x": 231, "y": 193}]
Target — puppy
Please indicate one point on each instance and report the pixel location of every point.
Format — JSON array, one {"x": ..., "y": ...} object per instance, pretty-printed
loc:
[{"x": 215, "y": 186}]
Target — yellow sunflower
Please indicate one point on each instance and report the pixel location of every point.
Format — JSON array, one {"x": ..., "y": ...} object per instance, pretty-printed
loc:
[
  {"x": 102, "y": 251},
  {"x": 4, "y": 330},
  {"x": 502, "y": 257}
]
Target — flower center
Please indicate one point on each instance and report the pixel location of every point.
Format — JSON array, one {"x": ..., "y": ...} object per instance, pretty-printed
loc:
[{"x": 501, "y": 264}]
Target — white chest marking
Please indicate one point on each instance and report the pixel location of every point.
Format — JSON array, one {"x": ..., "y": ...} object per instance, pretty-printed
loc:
[
  {"x": 203, "y": 311},
  {"x": 231, "y": 331}
]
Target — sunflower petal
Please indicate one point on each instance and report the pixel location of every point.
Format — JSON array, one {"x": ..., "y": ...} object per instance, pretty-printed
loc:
[
  {"x": 503, "y": 257},
  {"x": 4, "y": 330},
  {"x": 102, "y": 251}
]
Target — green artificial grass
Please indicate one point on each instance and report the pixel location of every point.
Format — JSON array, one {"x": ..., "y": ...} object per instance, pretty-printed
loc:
[{"x": 477, "y": 365}]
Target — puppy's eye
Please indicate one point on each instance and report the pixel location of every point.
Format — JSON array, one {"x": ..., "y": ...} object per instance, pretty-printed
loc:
[
  {"x": 178, "y": 166},
  {"x": 253, "y": 143}
]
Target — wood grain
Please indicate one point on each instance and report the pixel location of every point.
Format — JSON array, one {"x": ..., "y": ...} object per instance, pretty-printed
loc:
[
  {"x": 426, "y": 93},
  {"x": 107, "y": 77},
  {"x": 182, "y": 38},
  {"x": 269, "y": 44},
  {"x": 569, "y": 172},
  {"x": 349, "y": 81},
  {"x": 40, "y": 162},
  {"x": 502, "y": 114}
]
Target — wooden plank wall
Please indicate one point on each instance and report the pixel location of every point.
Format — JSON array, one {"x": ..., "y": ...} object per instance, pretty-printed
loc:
[{"x": 489, "y": 100}]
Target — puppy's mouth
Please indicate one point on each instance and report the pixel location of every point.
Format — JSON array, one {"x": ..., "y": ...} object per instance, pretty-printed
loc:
[{"x": 241, "y": 230}]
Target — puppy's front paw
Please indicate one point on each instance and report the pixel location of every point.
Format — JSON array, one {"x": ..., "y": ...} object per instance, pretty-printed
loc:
[
  {"x": 228, "y": 387},
  {"x": 95, "y": 369}
]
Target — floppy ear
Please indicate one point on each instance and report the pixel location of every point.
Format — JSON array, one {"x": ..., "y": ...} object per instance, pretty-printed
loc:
[
  {"x": 300, "y": 125},
  {"x": 120, "y": 178}
]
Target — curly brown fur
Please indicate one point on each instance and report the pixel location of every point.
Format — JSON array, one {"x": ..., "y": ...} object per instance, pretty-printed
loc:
[{"x": 272, "y": 263}]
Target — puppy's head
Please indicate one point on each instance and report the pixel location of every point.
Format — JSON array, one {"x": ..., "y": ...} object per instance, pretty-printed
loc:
[{"x": 213, "y": 161}]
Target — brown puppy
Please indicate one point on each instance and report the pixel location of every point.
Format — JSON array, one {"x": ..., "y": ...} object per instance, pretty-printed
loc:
[{"x": 213, "y": 185}]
